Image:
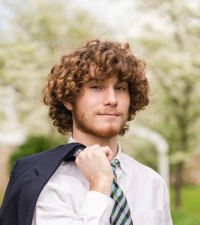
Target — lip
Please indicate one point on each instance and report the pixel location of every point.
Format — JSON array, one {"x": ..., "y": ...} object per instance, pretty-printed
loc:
[{"x": 109, "y": 115}]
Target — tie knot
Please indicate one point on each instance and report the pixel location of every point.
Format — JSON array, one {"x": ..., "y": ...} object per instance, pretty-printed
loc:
[{"x": 114, "y": 164}]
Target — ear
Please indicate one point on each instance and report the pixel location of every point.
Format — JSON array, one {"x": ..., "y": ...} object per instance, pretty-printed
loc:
[{"x": 68, "y": 105}]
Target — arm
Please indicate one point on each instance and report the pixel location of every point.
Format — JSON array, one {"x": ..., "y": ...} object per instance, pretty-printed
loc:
[
  {"x": 96, "y": 210},
  {"x": 97, "y": 206}
]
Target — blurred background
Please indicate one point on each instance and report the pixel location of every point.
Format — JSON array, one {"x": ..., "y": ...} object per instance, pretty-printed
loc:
[{"x": 166, "y": 34}]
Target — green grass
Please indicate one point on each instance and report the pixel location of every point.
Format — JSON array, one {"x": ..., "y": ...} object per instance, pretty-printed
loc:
[{"x": 190, "y": 212}]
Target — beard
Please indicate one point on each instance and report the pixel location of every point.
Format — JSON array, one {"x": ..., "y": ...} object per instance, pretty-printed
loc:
[{"x": 85, "y": 125}]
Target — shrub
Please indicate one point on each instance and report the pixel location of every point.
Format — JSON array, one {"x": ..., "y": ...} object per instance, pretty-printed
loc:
[{"x": 33, "y": 145}]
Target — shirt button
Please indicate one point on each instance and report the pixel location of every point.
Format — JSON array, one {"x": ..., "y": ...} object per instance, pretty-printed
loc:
[{"x": 101, "y": 206}]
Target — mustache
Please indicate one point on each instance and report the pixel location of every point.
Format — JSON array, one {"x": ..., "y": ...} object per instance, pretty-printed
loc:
[{"x": 109, "y": 112}]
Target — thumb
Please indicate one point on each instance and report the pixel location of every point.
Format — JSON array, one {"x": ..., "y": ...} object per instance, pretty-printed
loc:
[
  {"x": 108, "y": 153},
  {"x": 109, "y": 158}
]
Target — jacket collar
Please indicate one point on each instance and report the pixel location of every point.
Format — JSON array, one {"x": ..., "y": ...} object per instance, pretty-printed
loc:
[{"x": 54, "y": 157}]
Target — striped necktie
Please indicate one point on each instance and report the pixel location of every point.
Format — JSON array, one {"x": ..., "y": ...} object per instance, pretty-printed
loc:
[{"x": 121, "y": 214}]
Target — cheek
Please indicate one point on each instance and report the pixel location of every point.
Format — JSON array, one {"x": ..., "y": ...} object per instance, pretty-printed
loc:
[
  {"x": 126, "y": 102},
  {"x": 88, "y": 103}
]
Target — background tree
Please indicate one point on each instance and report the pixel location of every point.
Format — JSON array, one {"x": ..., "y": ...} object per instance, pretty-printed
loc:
[
  {"x": 40, "y": 32},
  {"x": 172, "y": 54}
]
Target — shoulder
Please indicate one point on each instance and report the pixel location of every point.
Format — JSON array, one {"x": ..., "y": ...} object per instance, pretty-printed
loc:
[
  {"x": 27, "y": 163},
  {"x": 39, "y": 156},
  {"x": 141, "y": 172}
]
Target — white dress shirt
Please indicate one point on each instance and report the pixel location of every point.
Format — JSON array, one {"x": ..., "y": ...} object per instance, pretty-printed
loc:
[{"x": 66, "y": 198}]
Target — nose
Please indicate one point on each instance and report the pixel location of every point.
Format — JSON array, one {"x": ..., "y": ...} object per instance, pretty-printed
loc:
[{"x": 110, "y": 97}]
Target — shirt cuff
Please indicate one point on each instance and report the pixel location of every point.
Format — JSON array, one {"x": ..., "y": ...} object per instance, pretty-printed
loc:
[{"x": 97, "y": 205}]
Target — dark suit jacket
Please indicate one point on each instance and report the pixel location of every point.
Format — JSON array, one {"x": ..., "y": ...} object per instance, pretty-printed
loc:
[{"x": 28, "y": 177}]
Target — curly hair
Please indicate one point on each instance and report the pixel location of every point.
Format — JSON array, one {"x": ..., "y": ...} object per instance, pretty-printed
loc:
[{"x": 67, "y": 77}]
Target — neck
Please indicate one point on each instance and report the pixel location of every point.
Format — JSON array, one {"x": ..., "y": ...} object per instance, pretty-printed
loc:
[{"x": 89, "y": 140}]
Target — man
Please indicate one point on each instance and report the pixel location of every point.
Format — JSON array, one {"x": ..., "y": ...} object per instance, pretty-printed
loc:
[{"x": 92, "y": 93}]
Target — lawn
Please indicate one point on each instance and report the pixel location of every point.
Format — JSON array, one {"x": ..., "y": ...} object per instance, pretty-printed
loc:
[{"x": 190, "y": 213}]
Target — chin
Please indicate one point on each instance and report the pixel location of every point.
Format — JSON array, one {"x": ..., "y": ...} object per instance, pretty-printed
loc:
[{"x": 107, "y": 131}]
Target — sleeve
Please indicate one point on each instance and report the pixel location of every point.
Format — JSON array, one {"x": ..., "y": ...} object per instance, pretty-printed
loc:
[
  {"x": 168, "y": 218},
  {"x": 96, "y": 210},
  {"x": 8, "y": 189}
]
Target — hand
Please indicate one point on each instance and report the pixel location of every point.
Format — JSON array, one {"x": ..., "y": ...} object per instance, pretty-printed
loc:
[{"x": 94, "y": 162}]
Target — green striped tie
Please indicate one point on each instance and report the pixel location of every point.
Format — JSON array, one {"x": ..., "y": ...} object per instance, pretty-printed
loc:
[{"x": 121, "y": 214}]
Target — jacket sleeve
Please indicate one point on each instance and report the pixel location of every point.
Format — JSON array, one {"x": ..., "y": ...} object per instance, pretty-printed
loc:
[{"x": 8, "y": 190}]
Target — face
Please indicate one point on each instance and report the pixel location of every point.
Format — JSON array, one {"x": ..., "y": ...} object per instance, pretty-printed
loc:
[{"x": 103, "y": 108}]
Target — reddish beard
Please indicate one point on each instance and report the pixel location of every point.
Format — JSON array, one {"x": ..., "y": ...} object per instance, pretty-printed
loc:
[{"x": 90, "y": 128}]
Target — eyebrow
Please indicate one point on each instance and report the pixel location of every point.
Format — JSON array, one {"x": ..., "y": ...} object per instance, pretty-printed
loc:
[{"x": 98, "y": 81}]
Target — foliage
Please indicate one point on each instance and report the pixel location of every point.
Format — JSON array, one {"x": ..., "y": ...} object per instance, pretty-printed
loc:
[
  {"x": 1, "y": 197},
  {"x": 189, "y": 214},
  {"x": 184, "y": 219},
  {"x": 142, "y": 151},
  {"x": 41, "y": 32},
  {"x": 172, "y": 53},
  {"x": 175, "y": 72},
  {"x": 33, "y": 145}
]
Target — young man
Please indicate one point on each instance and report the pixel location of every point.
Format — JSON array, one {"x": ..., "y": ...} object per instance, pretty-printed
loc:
[{"x": 92, "y": 93}]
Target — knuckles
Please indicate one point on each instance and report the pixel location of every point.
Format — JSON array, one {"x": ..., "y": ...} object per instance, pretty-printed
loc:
[
  {"x": 97, "y": 145},
  {"x": 94, "y": 153},
  {"x": 89, "y": 153}
]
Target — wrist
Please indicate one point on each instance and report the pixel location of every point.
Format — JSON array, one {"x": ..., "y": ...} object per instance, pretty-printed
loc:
[{"x": 102, "y": 186}]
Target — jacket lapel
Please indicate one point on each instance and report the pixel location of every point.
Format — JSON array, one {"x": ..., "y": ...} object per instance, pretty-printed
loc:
[{"x": 31, "y": 188}]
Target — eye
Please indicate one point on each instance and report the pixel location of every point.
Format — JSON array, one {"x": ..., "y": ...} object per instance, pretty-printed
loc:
[
  {"x": 122, "y": 89},
  {"x": 95, "y": 87}
]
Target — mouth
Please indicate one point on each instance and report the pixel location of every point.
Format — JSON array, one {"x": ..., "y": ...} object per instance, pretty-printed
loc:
[{"x": 109, "y": 115}]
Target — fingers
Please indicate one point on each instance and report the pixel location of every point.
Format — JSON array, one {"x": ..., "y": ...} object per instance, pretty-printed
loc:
[
  {"x": 96, "y": 150},
  {"x": 95, "y": 166},
  {"x": 104, "y": 149},
  {"x": 108, "y": 152}
]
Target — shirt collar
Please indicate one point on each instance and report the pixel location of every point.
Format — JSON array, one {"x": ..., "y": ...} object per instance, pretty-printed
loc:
[{"x": 118, "y": 156}]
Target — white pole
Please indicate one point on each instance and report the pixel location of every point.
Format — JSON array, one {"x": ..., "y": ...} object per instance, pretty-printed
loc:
[{"x": 161, "y": 146}]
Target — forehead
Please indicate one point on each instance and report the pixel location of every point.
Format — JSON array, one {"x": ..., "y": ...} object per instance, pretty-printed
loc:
[
  {"x": 102, "y": 78},
  {"x": 105, "y": 81}
]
